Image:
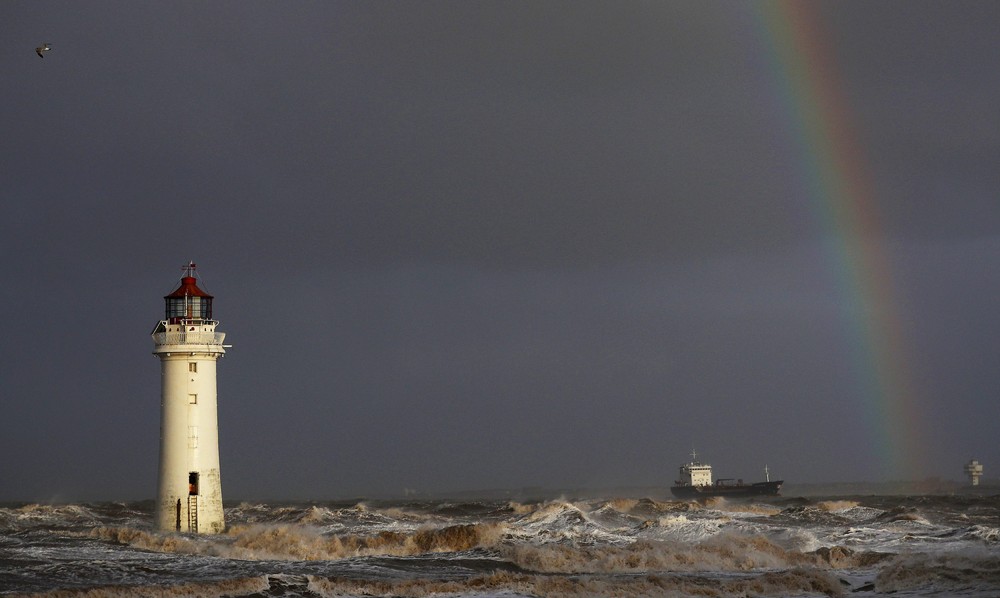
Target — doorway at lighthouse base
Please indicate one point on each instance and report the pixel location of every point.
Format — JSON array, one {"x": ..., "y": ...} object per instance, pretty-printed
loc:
[{"x": 200, "y": 511}]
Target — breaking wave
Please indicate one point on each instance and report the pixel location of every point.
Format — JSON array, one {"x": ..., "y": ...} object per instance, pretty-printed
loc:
[
  {"x": 859, "y": 546},
  {"x": 982, "y": 532},
  {"x": 725, "y": 552},
  {"x": 304, "y": 543},
  {"x": 902, "y": 514},
  {"x": 48, "y": 516}
]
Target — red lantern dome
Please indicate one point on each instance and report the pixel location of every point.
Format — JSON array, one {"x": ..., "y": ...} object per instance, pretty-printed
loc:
[{"x": 188, "y": 302}]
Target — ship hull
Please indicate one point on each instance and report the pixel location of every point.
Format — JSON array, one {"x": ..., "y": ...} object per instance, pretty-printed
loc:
[{"x": 728, "y": 490}]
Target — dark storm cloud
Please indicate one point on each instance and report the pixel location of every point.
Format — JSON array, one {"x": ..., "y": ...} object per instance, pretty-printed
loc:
[
  {"x": 482, "y": 244},
  {"x": 923, "y": 113},
  {"x": 502, "y": 133}
]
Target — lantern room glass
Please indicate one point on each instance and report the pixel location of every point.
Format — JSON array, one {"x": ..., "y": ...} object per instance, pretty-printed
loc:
[{"x": 189, "y": 308}]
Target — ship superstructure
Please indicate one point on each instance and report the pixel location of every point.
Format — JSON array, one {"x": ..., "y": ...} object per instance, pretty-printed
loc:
[{"x": 695, "y": 473}]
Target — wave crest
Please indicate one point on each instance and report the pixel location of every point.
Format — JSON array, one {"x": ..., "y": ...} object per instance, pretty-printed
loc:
[
  {"x": 298, "y": 543},
  {"x": 836, "y": 505},
  {"x": 148, "y": 541},
  {"x": 290, "y": 542},
  {"x": 725, "y": 552}
]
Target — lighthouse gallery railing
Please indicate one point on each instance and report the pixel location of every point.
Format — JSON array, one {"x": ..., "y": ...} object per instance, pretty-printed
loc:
[{"x": 189, "y": 338}]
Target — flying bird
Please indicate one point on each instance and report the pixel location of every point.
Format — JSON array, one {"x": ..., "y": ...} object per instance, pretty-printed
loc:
[{"x": 42, "y": 48}]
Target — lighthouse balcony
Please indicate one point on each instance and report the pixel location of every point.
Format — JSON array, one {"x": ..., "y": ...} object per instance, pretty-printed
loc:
[{"x": 189, "y": 337}]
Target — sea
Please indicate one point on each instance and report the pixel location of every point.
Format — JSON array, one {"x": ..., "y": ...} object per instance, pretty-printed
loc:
[{"x": 498, "y": 547}]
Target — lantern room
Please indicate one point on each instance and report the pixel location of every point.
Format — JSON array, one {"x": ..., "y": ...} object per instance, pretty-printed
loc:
[{"x": 188, "y": 302}]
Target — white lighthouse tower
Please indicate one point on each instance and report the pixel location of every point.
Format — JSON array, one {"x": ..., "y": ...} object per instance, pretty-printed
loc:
[
  {"x": 189, "y": 492},
  {"x": 974, "y": 469}
]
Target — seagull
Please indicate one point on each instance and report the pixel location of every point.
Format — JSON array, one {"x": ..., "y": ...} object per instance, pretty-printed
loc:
[{"x": 42, "y": 48}]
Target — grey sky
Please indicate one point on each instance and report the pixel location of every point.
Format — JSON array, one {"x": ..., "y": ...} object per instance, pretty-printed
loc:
[{"x": 494, "y": 244}]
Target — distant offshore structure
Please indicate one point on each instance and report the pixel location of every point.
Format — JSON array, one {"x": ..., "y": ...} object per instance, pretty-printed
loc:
[
  {"x": 189, "y": 490},
  {"x": 974, "y": 469}
]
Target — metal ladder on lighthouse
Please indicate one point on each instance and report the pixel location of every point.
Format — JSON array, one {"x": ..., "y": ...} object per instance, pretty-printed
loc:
[{"x": 193, "y": 514}]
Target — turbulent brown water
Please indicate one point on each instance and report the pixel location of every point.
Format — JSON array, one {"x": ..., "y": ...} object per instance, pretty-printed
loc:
[{"x": 841, "y": 546}]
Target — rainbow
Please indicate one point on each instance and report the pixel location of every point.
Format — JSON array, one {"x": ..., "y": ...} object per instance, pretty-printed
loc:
[{"x": 819, "y": 122}]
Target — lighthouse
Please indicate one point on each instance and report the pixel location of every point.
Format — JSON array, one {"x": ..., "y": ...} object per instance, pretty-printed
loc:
[
  {"x": 189, "y": 490},
  {"x": 974, "y": 469}
]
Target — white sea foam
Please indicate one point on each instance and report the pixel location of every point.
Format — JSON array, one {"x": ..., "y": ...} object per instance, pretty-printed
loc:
[
  {"x": 686, "y": 529},
  {"x": 561, "y": 521},
  {"x": 622, "y": 547},
  {"x": 985, "y": 533}
]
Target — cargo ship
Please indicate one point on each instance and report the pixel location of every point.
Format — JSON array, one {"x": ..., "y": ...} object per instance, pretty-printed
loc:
[{"x": 696, "y": 482}]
